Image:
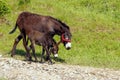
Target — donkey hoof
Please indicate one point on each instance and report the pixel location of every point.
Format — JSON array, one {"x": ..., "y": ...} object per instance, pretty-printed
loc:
[
  {"x": 30, "y": 59},
  {"x": 36, "y": 61},
  {"x": 42, "y": 61},
  {"x": 50, "y": 63},
  {"x": 29, "y": 62},
  {"x": 11, "y": 55}
]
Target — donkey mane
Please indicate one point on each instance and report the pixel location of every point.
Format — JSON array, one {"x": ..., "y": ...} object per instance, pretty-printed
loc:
[{"x": 63, "y": 24}]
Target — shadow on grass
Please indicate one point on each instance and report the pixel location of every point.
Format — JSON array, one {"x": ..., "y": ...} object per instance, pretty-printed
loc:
[
  {"x": 58, "y": 59},
  {"x": 20, "y": 52},
  {"x": 23, "y": 53}
]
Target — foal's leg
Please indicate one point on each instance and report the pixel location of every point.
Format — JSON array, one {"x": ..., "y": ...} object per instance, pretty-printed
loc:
[
  {"x": 48, "y": 55},
  {"x": 43, "y": 52},
  {"x": 33, "y": 49},
  {"x": 15, "y": 44}
]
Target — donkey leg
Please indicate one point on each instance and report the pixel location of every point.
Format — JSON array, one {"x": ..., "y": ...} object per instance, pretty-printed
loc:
[
  {"x": 43, "y": 52},
  {"x": 15, "y": 44},
  {"x": 49, "y": 60},
  {"x": 28, "y": 55},
  {"x": 29, "y": 47},
  {"x": 33, "y": 49},
  {"x": 48, "y": 56}
]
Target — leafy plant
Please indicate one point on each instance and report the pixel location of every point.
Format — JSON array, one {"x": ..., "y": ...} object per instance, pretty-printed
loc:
[{"x": 4, "y": 8}]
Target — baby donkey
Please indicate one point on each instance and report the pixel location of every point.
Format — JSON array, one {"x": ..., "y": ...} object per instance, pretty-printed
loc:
[{"x": 46, "y": 41}]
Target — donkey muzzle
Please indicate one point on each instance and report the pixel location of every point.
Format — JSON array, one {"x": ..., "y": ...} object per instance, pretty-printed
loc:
[
  {"x": 68, "y": 45},
  {"x": 55, "y": 55}
]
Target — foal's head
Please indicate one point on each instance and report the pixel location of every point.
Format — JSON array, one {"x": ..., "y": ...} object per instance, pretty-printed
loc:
[{"x": 54, "y": 49}]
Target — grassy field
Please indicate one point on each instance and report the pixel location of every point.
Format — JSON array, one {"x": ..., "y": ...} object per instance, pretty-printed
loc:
[{"x": 94, "y": 24}]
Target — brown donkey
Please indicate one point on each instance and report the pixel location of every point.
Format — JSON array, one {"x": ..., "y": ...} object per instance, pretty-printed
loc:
[
  {"x": 44, "y": 40},
  {"x": 27, "y": 22}
]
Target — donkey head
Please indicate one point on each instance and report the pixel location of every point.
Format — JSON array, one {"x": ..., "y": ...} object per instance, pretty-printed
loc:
[{"x": 66, "y": 40}]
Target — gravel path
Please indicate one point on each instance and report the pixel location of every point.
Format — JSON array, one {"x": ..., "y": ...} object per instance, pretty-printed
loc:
[{"x": 12, "y": 69}]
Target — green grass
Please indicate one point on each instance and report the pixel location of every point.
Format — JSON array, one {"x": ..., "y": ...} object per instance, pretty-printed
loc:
[
  {"x": 95, "y": 26},
  {"x": 1, "y": 78}
]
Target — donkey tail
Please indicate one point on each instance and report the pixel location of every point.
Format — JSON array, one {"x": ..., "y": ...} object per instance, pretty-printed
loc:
[{"x": 13, "y": 29}]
